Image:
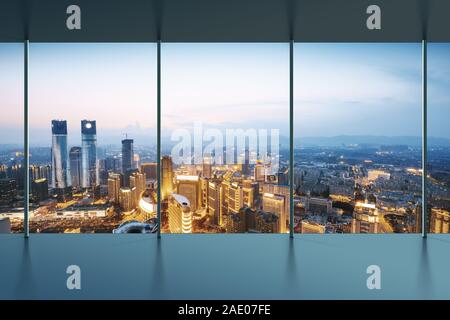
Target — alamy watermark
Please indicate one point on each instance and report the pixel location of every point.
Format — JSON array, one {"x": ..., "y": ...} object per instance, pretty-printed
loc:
[{"x": 227, "y": 146}]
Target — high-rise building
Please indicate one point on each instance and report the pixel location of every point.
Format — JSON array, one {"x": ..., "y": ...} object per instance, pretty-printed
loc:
[
  {"x": 127, "y": 199},
  {"x": 112, "y": 164},
  {"x": 127, "y": 155},
  {"x": 235, "y": 198},
  {"x": 60, "y": 161},
  {"x": 276, "y": 204},
  {"x": 207, "y": 167},
  {"x": 137, "y": 180},
  {"x": 89, "y": 172},
  {"x": 75, "y": 166},
  {"x": 39, "y": 189},
  {"x": 180, "y": 214},
  {"x": 189, "y": 187},
  {"x": 439, "y": 221},
  {"x": 259, "y": 172},
  {"x": 365, "y": 218},
  {"x": 150, "y": 170},
  {"x": 8, "y": 190},
  {"x": 166, "y": 177},
  {"x": 114, "y": 187},
  {"x": 214, "y": 202}
]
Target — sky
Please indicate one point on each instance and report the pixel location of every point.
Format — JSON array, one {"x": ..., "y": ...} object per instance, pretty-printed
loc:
[{"x": 340, "y": 89}]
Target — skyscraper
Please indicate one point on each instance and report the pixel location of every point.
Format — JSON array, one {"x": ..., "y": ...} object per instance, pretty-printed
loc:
[
  {"x": 127, "y": 155},
  {"x": 166, "y": 177},
  {"x": 75, "y": 166},
  {"x": 207, "y": 167},
  {"x": 89, "y": 172},
  {"x": 60, "y": 161},
  {"x": 189, "y": 187},
  {"x": 114, "y": 187},
  {"x": 180, "y": 214}
]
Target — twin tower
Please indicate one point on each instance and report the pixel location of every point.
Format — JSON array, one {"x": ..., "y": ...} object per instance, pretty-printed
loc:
[{"x": 80, "y": 171}]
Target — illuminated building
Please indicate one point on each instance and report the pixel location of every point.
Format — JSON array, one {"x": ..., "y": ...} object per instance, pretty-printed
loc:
[
  {"x": 166, "y": 177},
  {"x": 283, "y": 192},
  {"x": 137, "y": 180},
  {"x": 375, "y": 174},
  {"x": 89, "y": 173},
  {"x": 312, "y": 227},
  {"x": 127, "y": 198},
  {"x": 136, "y": 161},
  {"x": 207, "y": 167},
  {"x": 246, "y": 165},
  {"x": 150, "y": 170},
  {"x": 248, "y": 197},
  {"x": 127, "y": 155},
  {"x": 439, "y": 221},
  {"x": 204, "y": 192},
  {"x": 114, "y": 187},
  {"x": 189, "y": 187},
  {"x": 39, "y": 189},
  {"x": 61, "y": 183},
  {"x": 180, "y": 214},
  {"x": 365, "y": 218},
  {"x": 214, "y": 202},
  {"x": 75, "y": 167},
  {"x": 8, "y": 190},
  {"x": 235, "y": 198},
  {"x": 259, "y": 172},
  {"x": 276, "y": 204}
]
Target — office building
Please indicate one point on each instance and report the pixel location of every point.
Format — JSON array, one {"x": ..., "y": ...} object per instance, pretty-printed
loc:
[
  {"x": 75, "y": 167},
  {"x": 39, "y": 190},
  {"x": 439, "y": 221},
  {"x": 61, "y": 181},
  {"x": 166, "y": 176},
  {"x": 8, "y": 191},
  {"x": 214, "y": 202},
  {"x": 114, "y": 183},
  {"x": 365, "y": 218},
  {"x": 180, "y": 214},
  {"x": 150, "y": 170},
  {"x": 189, "y": 187},
  {"x": 127, "y": 155},
  {"x": 89, "y": 172}
]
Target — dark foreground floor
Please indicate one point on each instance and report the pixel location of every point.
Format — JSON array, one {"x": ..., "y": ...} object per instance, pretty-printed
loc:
[{"x": 224, "y": 266}]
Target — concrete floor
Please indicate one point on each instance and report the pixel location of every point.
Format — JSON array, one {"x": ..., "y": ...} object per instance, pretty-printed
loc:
[{"x": 247, "y": 266}]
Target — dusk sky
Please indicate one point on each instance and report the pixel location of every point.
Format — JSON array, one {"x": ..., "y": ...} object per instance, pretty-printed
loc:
[{"x": 340, "y": 89}]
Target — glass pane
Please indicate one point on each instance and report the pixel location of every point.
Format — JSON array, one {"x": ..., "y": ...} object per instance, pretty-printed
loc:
[
  {"x": 93, "y": 138},
  {"x": 225, "y": 138},
  {"x": 12, "y": 170},
  {"x": 438, "y": 137},
  {"x": 357, "y": 138}
]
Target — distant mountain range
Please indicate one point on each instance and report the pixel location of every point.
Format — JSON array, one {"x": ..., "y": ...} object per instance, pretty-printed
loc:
[{"x": 334, "y": 141}]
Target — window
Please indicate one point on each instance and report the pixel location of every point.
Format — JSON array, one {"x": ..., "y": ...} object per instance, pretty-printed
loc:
[
  {"x": 438, "y": 137},
  {"x": 357, "y": 138},
  {"x": 92, "y": 138},
  {"x": 12, "y": 170},
  {"x": 225, "y": 138}
]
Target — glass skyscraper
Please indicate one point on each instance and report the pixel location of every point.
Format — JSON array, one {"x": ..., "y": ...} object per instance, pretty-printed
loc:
[
  {"x": 127, "y": 155},
  {"x": 75, "y": 166},
  {"x": 60, "y": 161},
  {"x": 89, "y": 173}
]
